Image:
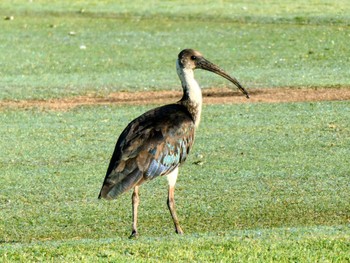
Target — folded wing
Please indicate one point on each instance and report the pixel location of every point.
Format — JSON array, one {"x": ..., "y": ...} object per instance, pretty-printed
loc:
[{"x": 152, "y": 145}]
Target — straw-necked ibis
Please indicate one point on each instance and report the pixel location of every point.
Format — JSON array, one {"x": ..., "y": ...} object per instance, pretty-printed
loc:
[{"x": 157, "y": 142}]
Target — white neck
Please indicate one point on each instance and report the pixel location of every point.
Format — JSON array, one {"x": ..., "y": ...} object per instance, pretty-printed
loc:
[{"x": 191, "y": 89}]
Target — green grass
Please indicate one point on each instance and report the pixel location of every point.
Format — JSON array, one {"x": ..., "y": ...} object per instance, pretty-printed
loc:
[
  {"x": 274, "y": 185},
  {"x": 326, "y": 244},
  {"x": 274, "y": 180},
  {"x": 134, "y": 47}
]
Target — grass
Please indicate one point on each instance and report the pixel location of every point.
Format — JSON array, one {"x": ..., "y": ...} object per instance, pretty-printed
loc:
[
  {"x": 264, "y": 182},
  {"x": 275, "y": 180},
  {"x": 118, "y": 46},
  {"x": 281, "y": 245}
]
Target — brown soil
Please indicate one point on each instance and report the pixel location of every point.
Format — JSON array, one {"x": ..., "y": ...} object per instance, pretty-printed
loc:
[{"x": 210, "y": 96}]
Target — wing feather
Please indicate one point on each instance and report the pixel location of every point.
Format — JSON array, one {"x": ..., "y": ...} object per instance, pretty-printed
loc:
[{"x": 152, "y": 145}]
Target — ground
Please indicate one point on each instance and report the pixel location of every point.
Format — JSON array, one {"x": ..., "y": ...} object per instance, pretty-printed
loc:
[{"x": 210, "y": 96}]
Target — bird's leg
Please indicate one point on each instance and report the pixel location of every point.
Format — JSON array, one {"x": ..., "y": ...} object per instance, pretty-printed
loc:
[
  {"x": 171, "y": 206},
  {"x": 172, "y": 177},
  {"x": 135, "y": 203}
]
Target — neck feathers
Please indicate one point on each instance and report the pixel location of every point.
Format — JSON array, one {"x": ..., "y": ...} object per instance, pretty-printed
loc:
[{"x": 192, "y": 94}]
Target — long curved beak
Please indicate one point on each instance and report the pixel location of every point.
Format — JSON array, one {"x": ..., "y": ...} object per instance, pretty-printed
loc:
[{"x": 202, "y": 63}]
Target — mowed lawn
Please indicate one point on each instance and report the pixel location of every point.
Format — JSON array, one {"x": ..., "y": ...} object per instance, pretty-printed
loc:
[
  {"x": 60, "y": 49},
  {"x": 270, "y": 175},
  {"x": 264, "y": 182}
]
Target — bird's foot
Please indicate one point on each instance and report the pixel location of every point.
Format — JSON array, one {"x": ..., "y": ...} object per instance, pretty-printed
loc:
[
  {"x": 134, "y": 234},
  {"x": 179, "y": 231}
]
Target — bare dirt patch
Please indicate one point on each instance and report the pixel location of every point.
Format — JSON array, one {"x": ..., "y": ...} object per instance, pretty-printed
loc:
[{"x": 210, "y": 96}]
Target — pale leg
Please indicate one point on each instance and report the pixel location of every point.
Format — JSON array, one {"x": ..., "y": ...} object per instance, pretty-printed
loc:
[
  {"x": 135, "y": 204},
  {"x": 171, "y": 201}
]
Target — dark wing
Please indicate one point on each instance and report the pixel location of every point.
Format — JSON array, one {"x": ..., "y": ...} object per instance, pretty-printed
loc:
[{"x": 151, "y": 145}]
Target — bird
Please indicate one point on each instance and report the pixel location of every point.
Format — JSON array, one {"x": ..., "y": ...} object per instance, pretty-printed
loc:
[{"x": 157, "y": 142}]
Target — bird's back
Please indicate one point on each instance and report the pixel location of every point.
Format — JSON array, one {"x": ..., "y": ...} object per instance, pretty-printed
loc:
[{"x": 153, "y": 144}]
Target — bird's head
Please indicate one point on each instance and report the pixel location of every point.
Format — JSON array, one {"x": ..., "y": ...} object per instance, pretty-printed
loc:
[{"x": 192, "y": 59}]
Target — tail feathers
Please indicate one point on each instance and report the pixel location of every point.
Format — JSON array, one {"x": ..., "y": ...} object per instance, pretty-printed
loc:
[{"x": 111, "y": 190}]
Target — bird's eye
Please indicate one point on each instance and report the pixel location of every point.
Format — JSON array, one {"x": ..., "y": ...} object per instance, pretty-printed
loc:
[{"x": 193, "y": 57}]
